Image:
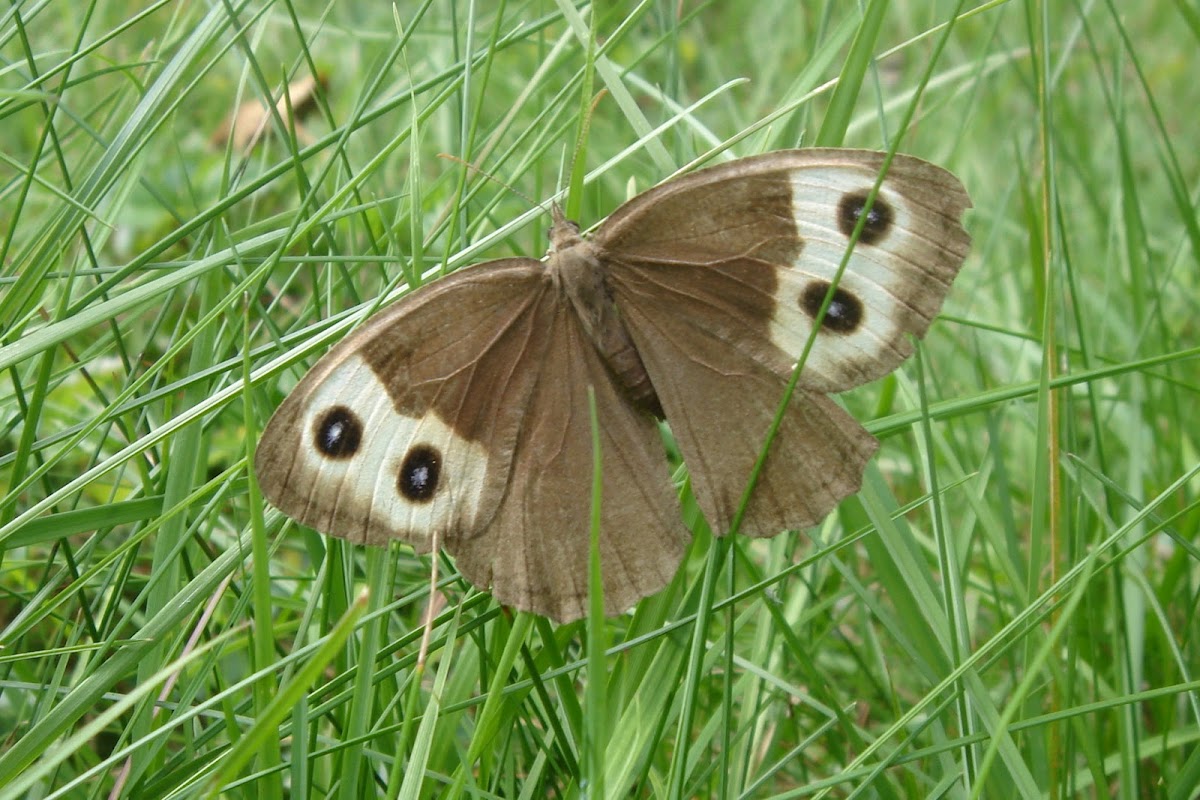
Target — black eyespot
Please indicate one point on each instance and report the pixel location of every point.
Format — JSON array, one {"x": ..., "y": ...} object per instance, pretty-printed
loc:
[
  {"x": 419, "y": 473},
  {"x": 338, "y": 433},
  {"x": 845, "y": 310},
  {"x": 879, "y": 218}
]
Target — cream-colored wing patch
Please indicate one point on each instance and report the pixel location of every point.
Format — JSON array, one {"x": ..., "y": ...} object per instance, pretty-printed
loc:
[
  {"x": 349, "y": 463},
  {"x": 906, "y": 257},
  {"x": 746, "y": 251}
]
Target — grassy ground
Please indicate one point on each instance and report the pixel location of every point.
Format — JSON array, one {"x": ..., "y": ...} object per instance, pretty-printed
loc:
[{"x": 1008, "y": 608}]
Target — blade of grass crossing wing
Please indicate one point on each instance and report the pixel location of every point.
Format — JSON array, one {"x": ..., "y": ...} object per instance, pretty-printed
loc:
[{"x": 596, "y": 718}]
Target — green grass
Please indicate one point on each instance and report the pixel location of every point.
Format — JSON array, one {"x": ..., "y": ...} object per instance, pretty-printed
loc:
[{"x": 1007, "y": 609}]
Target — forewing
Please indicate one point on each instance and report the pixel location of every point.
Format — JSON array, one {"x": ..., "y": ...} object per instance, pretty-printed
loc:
[
  {"x": 747, "y": 251},
  {"x": 410, "y": 424}
]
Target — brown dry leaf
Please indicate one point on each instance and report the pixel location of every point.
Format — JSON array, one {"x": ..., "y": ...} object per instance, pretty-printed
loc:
[{"x": 246, "y": 126}]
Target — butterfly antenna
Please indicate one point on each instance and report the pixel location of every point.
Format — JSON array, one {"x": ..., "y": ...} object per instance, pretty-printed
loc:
[{"x": 485, "y": 174}]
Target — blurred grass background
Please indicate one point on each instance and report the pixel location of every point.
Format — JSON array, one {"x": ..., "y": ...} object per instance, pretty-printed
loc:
[{"x": 1008, "y": 609}]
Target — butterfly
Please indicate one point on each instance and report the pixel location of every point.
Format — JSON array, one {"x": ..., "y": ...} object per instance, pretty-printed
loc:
[{"x": 463, "y": 409}]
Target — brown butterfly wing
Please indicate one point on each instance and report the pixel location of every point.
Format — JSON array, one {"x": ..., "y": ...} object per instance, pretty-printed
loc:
[
  {"x": 463, "y": 409},
  {"x": 749, "y": 248},
  {"x": 719, "y": 275},
  {"x": 445, "y": 372}
]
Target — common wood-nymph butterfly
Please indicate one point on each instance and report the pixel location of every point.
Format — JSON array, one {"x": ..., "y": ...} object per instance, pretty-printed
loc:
[{"x": 463, "y": 407}]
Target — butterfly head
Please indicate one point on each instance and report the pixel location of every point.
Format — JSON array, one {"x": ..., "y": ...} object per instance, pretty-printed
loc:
[{"x": 564, "y": 233}]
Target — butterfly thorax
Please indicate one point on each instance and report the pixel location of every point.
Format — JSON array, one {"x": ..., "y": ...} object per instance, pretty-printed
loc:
[{"x": 580, "y": 276}]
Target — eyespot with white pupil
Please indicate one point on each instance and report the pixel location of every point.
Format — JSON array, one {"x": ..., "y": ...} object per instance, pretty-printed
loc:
[
  {"x": 338, "y": 433},
  {"x": 419, "y": 474},
  {"x": 845, "y": 310},
  {"x": 879, "y": 218}
]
